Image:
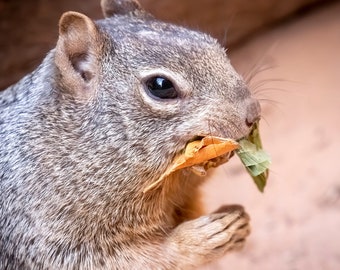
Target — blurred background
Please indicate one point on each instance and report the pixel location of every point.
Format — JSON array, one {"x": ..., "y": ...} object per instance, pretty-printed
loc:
[{"x": 289, "y": 52}]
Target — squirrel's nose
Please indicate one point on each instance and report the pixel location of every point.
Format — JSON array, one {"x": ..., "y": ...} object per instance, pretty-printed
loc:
[{"x": 253, "y": 112}]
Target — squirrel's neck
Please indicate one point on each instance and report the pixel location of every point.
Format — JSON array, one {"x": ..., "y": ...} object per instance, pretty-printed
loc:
[{"x": 38, "y": 82}]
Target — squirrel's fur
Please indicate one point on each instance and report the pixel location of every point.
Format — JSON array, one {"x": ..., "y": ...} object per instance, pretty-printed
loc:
[{"x": 81, "y": 139}]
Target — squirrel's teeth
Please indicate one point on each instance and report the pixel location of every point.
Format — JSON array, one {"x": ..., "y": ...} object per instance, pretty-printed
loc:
[
  {"x": 201, "y": 169},
  {"x": 198, "y": 170}
]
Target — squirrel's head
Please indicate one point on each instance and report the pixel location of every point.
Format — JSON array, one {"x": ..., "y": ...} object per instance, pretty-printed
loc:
[{"x": 158, "y": 84}]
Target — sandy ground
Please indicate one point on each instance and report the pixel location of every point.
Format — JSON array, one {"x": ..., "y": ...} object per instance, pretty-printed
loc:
[{"x": 296, "y": 222}]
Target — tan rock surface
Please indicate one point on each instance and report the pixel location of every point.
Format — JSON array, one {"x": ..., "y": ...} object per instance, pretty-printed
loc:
[{"x": 296, "y": 222}]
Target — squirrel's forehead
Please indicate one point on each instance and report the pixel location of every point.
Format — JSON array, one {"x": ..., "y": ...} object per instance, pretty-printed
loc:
[
  {"x": 154, "y": 32},
  {"x": 162, "y": 44}
]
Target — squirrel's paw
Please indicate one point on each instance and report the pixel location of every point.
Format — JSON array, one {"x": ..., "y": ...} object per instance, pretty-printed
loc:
[{"x": 209, "y": 237}]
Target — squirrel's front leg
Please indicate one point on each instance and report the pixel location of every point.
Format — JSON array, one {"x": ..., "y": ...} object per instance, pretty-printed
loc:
[{"x": 209, "y": 237}]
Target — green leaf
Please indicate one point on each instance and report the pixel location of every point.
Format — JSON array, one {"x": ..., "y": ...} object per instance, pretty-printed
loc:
[{"x": 254, "y": 158}]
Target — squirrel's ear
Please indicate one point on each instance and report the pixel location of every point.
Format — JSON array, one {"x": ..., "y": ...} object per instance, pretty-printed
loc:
[
  {"x": 122, "y": 7},
  {"x": 77, "y": 53}
]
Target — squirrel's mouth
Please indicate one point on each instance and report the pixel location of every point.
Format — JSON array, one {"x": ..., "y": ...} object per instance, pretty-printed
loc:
[
  {"x": 202, "y": 168},
  {"x": 200, "y": 155},
  {"x": 205, "y": 152}
]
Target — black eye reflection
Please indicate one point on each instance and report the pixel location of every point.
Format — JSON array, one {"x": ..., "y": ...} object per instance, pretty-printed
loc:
[{"x": 161, "y": 87}]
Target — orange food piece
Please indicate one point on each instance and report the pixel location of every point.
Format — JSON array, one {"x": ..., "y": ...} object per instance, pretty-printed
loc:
[
  {"x": 203, "y": 150},
  {"x": 198, "y": 152}
]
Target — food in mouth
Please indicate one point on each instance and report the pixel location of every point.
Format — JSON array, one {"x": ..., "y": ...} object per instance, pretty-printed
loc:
[{"x": 210, "y": 151}]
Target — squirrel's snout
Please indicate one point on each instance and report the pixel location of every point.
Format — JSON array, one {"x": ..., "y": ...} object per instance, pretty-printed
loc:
[{"x": 253, "y": 112}]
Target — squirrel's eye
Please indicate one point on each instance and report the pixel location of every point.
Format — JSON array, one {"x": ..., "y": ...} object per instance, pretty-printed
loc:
[{"x": 161, "y": 87}]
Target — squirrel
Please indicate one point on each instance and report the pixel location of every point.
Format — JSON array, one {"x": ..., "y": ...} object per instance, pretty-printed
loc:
[{"x": 98, "y": 121}]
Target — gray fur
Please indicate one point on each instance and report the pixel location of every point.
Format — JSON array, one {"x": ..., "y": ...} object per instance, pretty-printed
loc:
[{"x": 72, "y": 173}]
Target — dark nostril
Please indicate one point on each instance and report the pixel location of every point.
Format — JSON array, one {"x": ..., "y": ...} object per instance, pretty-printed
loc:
[{"x": 253, "y": 113}]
